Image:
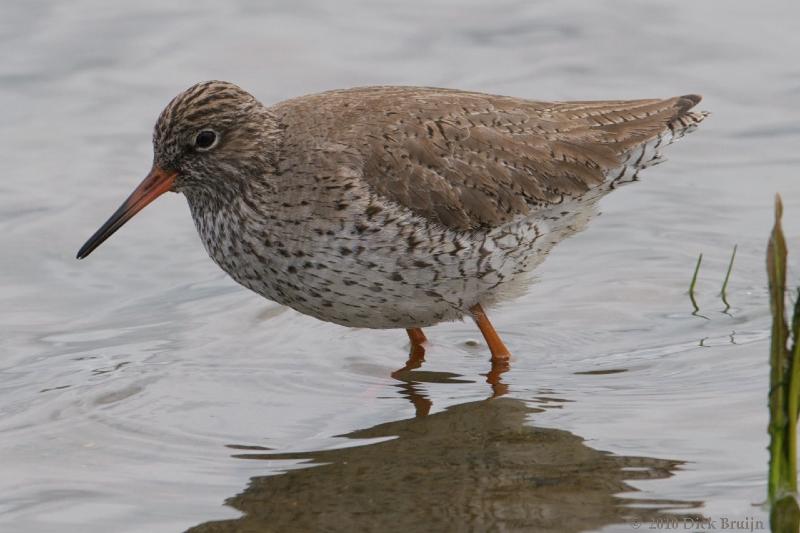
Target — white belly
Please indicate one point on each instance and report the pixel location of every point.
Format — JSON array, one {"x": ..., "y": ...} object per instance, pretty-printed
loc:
[{"x": 399, "y": 272}]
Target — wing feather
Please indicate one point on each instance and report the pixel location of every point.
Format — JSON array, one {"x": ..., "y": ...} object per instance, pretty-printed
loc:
[{"x": 469, "y": 160}]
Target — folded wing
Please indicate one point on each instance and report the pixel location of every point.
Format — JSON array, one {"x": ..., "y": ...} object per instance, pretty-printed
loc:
[{"x": 470, "y": 161}]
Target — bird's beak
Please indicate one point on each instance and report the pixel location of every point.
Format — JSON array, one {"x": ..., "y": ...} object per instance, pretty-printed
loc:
[{"x": 154, "y": 185}]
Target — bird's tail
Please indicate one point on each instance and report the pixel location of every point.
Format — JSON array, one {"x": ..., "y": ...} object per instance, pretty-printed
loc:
[{"x": 648, "y": 153}]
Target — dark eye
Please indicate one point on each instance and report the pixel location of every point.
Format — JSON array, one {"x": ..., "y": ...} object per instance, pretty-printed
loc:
[{"x": 205, "y": 139}]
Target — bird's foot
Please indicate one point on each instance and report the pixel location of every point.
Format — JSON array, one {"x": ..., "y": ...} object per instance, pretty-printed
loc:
[
  {"x": 415, "y": 359},
  {"x": 416, "y": 354},
  {"x": 499, "y": 367}
]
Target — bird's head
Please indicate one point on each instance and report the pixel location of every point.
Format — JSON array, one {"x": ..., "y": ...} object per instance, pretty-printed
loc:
[{"x": 210, "y": 139}]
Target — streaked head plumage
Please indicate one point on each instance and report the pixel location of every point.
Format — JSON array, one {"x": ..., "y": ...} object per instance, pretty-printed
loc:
[{"x": 212, "y": 132}]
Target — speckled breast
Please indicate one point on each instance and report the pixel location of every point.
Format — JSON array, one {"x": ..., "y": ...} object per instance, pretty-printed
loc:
[{"x": 380, "y": 267}]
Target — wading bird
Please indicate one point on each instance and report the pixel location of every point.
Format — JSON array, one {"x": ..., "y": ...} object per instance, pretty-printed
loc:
[{"x": 394, "y": 207}]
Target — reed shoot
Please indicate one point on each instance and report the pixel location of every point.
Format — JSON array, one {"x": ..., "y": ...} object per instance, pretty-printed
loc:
[
  {"x": 784, "y": 392},
  {"x": 692, "y": 285},
  {"x": 724, "y": 291}
]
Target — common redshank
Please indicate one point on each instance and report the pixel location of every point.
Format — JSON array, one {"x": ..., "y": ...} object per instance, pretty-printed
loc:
[{"x": 394, "y": 207}]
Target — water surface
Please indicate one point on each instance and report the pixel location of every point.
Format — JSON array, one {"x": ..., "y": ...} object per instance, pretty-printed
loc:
[{"x": 141, "y": 389}]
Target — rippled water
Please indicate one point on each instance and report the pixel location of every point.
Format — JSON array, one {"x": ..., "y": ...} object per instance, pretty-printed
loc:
[{"x": 141, "y": 390}]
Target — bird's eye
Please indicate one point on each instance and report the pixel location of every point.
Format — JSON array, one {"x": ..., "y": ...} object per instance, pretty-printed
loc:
[{"x": 205, "y": 140}]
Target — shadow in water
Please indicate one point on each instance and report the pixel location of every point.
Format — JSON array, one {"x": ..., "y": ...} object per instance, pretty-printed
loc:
[
  {"x": 473, "y": 467},
  {"x": 416, "y": 357}
]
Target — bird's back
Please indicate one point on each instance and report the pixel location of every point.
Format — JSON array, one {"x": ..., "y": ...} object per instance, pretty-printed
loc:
[{"x": 468, "y": 160}]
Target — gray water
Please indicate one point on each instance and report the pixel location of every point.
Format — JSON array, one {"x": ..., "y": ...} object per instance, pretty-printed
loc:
[{"x": 141, "y": 389}]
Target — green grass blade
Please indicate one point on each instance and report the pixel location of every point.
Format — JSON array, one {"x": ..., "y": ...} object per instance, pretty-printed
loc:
[
  {"x": 793, "y": 402},
  {"x": 724, "y": 291},
  {"x": 692, "y": 286},
  {"x": 779, "y": 474}
]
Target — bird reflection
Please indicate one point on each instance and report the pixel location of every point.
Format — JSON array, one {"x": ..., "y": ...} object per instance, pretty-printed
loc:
[
  {"x": 422, "y": 404},
  {"x": 478, "y": 466},
  {"x": 411, "y": 386},
  {"x": 416, "y": 356}
]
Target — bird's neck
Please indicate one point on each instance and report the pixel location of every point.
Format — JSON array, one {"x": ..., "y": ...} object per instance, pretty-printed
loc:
[{"x": 246, "y": 215}]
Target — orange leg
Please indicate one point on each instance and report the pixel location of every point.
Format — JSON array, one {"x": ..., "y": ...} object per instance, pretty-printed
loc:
[
  {"x": 416, "y": 336},
  {"x": 416, "y": 356},
  {"x": 500, "y": 354},
  {"x": 417, "y": 353},
  {"x": 498, "y": 349}
]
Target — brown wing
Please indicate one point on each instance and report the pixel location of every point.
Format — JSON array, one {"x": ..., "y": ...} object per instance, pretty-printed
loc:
[{"x": 470, "y": 160}]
